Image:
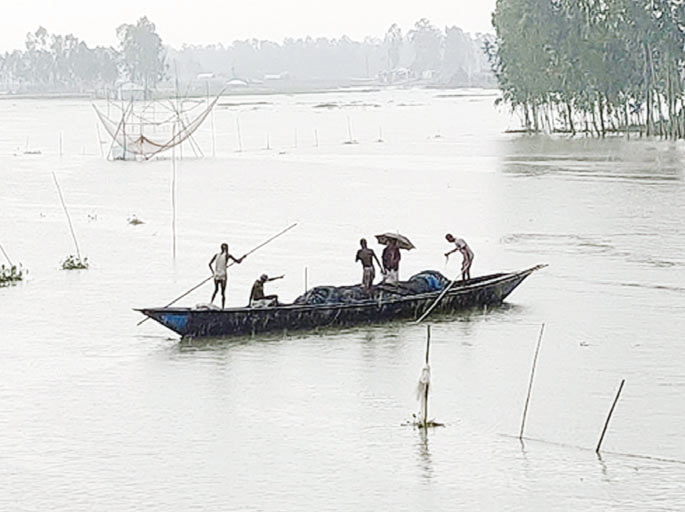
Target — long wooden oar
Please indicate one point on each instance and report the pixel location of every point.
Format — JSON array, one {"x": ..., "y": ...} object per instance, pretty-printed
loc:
[
  {"x": 436, "y": 302},
  {"x": 230, "y": 264}
]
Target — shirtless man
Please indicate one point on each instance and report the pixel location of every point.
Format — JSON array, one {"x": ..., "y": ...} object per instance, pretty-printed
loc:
[
  {"x": 466, "y": 252},
  {"x": 220, "y": 261},
  {"x": 367, "y": 256},
  {"x": 257, "y": 297}
]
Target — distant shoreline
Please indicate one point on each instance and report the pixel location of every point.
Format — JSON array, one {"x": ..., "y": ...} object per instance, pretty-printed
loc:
[{"x": 247, "y": 91}]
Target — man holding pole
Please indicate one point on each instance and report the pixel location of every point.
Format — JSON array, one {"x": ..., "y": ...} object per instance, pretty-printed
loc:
[
  {"x": 220, "y": 272},
  {"x": 466, "y": 252}
]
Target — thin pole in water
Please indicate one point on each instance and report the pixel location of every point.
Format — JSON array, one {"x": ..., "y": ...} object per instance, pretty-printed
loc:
[
  {"x": 60, "y": 144},
  {"x": 6, "y": 256},
  {"x": 316, "y": 138},
  {"x": 173, "y": 196},
  {"x": 530, "y": 382},
  {"x": 305, "y": 279},
  {"x": 611, "y": 411},
  {"x": 425, "y": 400},
  {"x": 71, "y": 227},
  {"x": 240, "y": 139},
  {"x": 97, "y": 126},
  {"x": 212, "y": 123}
]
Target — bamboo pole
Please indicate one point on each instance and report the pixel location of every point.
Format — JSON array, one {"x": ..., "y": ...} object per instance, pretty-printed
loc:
[
  {"x": 437, "y": 300},
  {"x": 530, "y": 382},
  {"x": 71, "y": 227},
  {"x": 425, "y": 401},
  {"x": 305, "y": 280},
  {"x": 611, "y": 411},
  {"x": 6, "y": 256},
  {"x": 173, "y": 196},
  {"x": 97, "y": 127},
  {"x": 240, "y": 139}
]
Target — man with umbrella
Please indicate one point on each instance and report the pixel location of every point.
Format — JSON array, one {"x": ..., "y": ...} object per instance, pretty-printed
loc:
[{"x": 391, "y": 254}]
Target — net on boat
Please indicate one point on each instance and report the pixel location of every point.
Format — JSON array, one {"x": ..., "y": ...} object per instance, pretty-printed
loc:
[{"x": 423, "y": 282}]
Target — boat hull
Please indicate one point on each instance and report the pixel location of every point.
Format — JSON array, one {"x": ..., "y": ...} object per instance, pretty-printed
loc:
[{"x": 478, "y": 292}]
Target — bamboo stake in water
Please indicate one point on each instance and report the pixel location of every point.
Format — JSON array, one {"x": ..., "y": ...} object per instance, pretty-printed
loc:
[
  {"x": 611, "y": 411},
  {"x": 240, "y": 139},
  {"x": 425, "y": 401},
  {"x": 97, "y": 126},
  {"x": 305, "y": 279},
  {"x": 173, "y": 196},
  {"x": 71, "y": 227},
  {"x": 530, "y": 383},
  {"x": 6, "y": 256}
]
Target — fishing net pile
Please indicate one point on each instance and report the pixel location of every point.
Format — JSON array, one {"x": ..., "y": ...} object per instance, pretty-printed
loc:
[{"x": 423, "y": 282}]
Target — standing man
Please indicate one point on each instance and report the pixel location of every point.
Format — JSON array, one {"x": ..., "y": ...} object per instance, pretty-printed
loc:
[
  {"x": 220, "y": 261},
  {"x": 367, "y": 256},
  {"x": 391, "y": 262},
  {"x": 466, "y": 252}
]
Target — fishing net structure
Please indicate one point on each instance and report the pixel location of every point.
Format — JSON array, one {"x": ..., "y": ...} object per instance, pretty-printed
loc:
[
  {"x": 423, "y": 282},
  {"x": 146, "y": 129}
]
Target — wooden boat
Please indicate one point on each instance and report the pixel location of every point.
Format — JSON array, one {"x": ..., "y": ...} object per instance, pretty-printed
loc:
[{"x": 387, "y": 302}]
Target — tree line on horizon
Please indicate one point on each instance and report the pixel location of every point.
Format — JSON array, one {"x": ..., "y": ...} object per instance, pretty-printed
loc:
[
  {"x": 596, "y": 66},
  {"x": 57, "y": 63}
]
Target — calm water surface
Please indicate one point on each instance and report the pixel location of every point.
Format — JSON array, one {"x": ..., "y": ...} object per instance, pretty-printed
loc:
[{"x": 99, "y": 414}]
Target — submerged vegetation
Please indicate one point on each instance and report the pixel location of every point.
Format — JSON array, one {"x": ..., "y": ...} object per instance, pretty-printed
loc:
[
  {"x": 596, "y": 66},
  {"x": 74, "y": 263},
  {"x": 11, "y": 274}
]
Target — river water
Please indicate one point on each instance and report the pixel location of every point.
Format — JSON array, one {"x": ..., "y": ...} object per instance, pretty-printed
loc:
[{"x": 97, "y": 413}]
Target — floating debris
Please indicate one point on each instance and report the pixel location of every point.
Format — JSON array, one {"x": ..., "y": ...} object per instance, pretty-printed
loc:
[
  {"x": 74, "y": 263},
  {"x": 134, "y": 221},
  {"x": 11, "y": 274}
]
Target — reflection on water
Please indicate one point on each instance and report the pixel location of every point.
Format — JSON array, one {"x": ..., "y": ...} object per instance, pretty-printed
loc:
[{"x": 425, "y": 461}]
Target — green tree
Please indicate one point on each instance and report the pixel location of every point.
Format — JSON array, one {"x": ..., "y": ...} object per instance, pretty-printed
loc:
[
  {"x": 142, "y": 53},
  {"x": 427, "y": 42},
  {"x": 393, "y": 40}
]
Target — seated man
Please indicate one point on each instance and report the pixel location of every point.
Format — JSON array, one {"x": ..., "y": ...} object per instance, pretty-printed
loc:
[{"x": 257, "y": 297}]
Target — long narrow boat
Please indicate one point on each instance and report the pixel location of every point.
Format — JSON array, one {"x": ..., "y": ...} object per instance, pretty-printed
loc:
[{"x": 384, "y": 304}]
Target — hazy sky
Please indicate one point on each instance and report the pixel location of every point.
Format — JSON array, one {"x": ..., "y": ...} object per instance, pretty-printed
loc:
[{"x": 214, "y": 21}]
